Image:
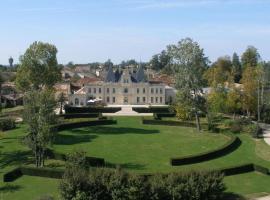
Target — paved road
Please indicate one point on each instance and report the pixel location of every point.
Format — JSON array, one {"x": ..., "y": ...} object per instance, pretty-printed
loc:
[
  {"x": 263, "y": 198},
  {"x": 266, "y": 132}
]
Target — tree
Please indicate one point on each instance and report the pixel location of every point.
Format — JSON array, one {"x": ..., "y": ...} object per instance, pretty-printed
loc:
[
  {"x": 188, "y": 64},
  {"x": 108, "y": 64},
  {"x": 39, "y": 115},
  {"x": 250, "y": 57},
  {"x": 160, "y": 61},
  {"x": 1, "y": 82},
  {"x": 61, "y": 99},
  {"x": 237, "y": 68},
  {"x": 234, "y": 100},
  {"x": 38, "y": 67},
  {"x": 250, "y": 84}
]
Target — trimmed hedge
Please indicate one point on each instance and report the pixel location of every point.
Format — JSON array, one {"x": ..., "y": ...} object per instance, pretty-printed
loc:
[
  {"x": 91, "y": 161},
  {"x": 71, "y": 109},
  {"x": 32, "y": 171},
  {"x": 152, "y": 109},
  {"x": 80, "y": 115},
  {"x": 227, "y": 148},
  {"x": 239, "y": 169},
  {"x": 7, "y": 124},
  {"x": 168, "y": 123},
  {"x": 160, "y": 115},
  {"x": 12, "y": 175},
  {"x": 61, "y": 127}
]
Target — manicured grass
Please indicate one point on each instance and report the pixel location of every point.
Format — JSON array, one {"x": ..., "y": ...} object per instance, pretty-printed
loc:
[
  {"x": 13, "y": 109},
  {"x": 135, "y": 146},
  {"x": 138, "y": 147},
  {"x": 247, "y": 184},
  {"x": 29, "y": 187}
]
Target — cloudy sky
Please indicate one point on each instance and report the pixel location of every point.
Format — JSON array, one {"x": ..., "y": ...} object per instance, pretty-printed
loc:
[{"x": 95, "y": 30}]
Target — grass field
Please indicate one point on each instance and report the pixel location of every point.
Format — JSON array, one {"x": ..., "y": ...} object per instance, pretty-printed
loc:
[{"x": 140, "y": 148}]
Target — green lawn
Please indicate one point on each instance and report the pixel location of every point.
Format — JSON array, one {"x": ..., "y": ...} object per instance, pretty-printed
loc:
[{"x": 138, "y": 147}]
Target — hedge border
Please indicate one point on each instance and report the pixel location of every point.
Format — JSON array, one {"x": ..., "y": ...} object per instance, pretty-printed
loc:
[
  {"x": 152, "y": 109},
  {"x": 79, "y": 115},
  {"x": 58, "y": 173},
  {"x": 168, "y": 123},
  {"x": 72, "y": 109},
  {"x": 91, "y": 161},
  {"x": 225, "y": 149}
]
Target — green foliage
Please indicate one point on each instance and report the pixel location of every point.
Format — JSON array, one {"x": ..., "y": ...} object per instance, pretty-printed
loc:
[
  {"x": 7, "y": 124},
  {"x": 160, "y": 61},
  {"x": 39, "y": 115},
  {"x": 237, "y": 68},
  {"x": 250, "y": 57},
  {"x": 38, "y": 67},
  {"x": 106, "y": 184}
]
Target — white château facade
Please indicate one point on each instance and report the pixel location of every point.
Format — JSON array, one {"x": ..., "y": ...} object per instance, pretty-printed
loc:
[{"x": 124, "y": 88}]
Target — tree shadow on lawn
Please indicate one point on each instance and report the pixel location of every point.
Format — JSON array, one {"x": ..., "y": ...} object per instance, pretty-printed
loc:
[
  {"x": 10, "y": 188},
  {"x": 125, "y": 166},
  {"x": 15, "y": 158},
  {"x": 64, "y": 139},
  {"x": 114, "y": 130}
]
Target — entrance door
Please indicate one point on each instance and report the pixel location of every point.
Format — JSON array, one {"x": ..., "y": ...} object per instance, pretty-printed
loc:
[{"x": 125, "y": 100}]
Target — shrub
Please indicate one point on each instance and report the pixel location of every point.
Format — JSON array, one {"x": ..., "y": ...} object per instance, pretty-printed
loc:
[
  {"x": 80, "y": 115},
  {"x": 91, "y": 109},
  {"x": 12, "y": 175},
  {"x": 107, "y": 184},
  {"x": 153, "y": 109},
  {"x": 7, "y": 124}
]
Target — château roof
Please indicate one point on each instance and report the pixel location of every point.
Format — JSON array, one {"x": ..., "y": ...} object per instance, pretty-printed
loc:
[{"x": 110, "y": 75}]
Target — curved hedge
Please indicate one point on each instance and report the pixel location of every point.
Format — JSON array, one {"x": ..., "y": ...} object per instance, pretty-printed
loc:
[
  {"x": 152, "y": 109},
  {"x": 168, "y": 123},
  {"x": 79, "y": 115},
  {"x": 61, "y": 127},
  {"x": 71, "y": 109},
  {"x": 227, "y": 148},
  {"x": 91, "y": 161}
]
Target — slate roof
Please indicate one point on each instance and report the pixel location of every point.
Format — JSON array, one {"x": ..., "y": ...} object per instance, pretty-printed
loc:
[{"x": 115, "y": 77}]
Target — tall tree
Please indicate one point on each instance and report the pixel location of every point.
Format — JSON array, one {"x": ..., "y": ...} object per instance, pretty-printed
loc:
[
  {"x": 39, "y": 115},
  {"x": 160, "y": 61},
  {"x": 237, "y": 68},
  {"x": 250, "y": 57},
  {"x": 1, "y": 82},
  {"x": 61, "y": 99},
  {"x": 188, "y": 64},
  {"x": 38, "y": 67}
]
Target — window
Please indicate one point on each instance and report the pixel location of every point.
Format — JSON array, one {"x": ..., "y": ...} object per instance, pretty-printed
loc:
[
  {"x": 125, "y": 99},
  {"x": 113, "y": 99},
  {"x": 152, "y": 99},
  {"x": 95, "y": 90},
  {"x": 156, "y": 99},
  {"x": 143, "y": 99},
  {"x": 156, "y": 90},
  {"x": 138, "y": 99},
  {"x": 81, "y": 103},
  {"x": 108, "y": 90},
  {"x": 89, "y": 90},
  {"x": 160, "y": 100},
  {"x": 152, "y": 90},
  {"x": 161, "y": 91},
  {"x": 113, "y": 90},
  {"x": 138, "y": 90},
  {"x": 99, "y": 90},
  {"x": 76, "y": 101},
  {"x": 144, "y": 90},
  {"x": 108, "y": 99},
  {"x": 126, "y": 90}
]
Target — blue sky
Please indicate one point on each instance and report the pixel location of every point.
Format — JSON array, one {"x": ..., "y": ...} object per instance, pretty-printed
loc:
[{"x": 95, "y": 30}]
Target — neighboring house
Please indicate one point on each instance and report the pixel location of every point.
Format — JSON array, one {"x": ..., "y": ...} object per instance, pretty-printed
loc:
[
  {"x": 10, "y": 96},
  {"x": 123, "y": 87}
]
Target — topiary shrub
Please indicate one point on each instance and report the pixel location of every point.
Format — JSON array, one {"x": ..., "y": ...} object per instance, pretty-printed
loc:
[{"x": 7, "y": 124}]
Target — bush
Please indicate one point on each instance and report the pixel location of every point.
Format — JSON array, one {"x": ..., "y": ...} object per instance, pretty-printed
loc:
[
  {"x": 169, "y": 123},
  {"x": 80, "y": 115},
  {"x": 153, "y": 109},
  {"x": 12, "y": 175},
  {"x": 42, "y": 172},
  {"x": 221, "y": 151},
  {"x": 7, "y": 124},
  {"x": 107, "y": 184},
  {"x": 91, "y": 109}
]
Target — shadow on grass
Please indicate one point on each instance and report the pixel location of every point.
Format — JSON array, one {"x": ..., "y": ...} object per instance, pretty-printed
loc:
[
  {"x": 15, "y": 158},
  {"x": 64, "y": 139},
  {"x": 232, "y": 196},
  {"x": 125, "y": 166},
  {"x": 114, "y": 130},
  {"x": 10, "y": 188}
]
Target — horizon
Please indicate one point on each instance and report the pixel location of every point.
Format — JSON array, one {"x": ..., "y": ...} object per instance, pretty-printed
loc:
[{"x": 86, "y": 32}]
